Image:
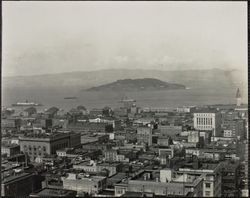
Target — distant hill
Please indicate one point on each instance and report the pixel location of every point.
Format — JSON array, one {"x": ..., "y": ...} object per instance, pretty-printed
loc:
[
  {"x": 144, "y": 84},
  {"x": 85, "y": 80}
]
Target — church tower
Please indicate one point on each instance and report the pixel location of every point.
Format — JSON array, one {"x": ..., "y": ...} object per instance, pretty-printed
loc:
[{"x": 238, "y": 98}]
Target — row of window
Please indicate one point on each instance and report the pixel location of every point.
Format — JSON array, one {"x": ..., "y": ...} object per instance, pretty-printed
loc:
[
  {"x": 59, "y": 146},
  {"x": 204, "y": 121},
  {"x": 35, "y": 154},
  {"x": 34, "y": 148},
  {"x": 204, "y": 114}
]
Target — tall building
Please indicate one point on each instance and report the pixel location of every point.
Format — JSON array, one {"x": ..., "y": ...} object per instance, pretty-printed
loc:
[
  {"x": 238, "y": 98},
  {"x": 144, "y": 135},
  {"x": 208, "y": 120},
  {"x": 110, "y": 155},
  {"x": 236, "y": 127}
]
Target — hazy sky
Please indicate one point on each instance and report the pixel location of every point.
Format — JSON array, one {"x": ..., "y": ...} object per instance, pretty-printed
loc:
[{"x": 53, "y": 37}]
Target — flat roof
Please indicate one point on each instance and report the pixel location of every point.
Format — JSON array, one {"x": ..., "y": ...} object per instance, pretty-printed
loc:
[
  {"x": 43, "y": 135},
  {"x": 15, "y": 177},
  {"x": 48, "y": 192},
  {"x": 205, "y": 110},
  {"x": 9, "y": 145}
]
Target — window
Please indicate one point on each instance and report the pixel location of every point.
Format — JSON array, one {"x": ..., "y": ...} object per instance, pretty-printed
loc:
[{"x": 208, "y": 185}]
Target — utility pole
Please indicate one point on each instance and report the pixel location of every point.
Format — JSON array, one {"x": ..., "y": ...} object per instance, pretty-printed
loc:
[{"x": 213, "y": 131}]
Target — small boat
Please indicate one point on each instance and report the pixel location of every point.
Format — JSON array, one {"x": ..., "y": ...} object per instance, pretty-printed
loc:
[{"x": 70, "y": 98}]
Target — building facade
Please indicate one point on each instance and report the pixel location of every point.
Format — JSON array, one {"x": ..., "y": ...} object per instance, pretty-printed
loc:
[
  {"x": 40, "y": 145},
  {"x": 144, "y": 135},
  {"x": 208, "y": 120}
]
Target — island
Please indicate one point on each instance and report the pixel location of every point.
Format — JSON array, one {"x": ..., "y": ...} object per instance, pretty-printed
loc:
[{"x": 144, "y": 84}]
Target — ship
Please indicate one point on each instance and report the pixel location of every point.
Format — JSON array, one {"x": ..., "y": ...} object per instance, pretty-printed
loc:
[
  {"x": 70, "y": 98},
  {"x": 26, "y": 103}
]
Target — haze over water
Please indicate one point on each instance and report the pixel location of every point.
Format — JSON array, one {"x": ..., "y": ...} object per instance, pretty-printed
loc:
[{"x": 161, "y": 99}]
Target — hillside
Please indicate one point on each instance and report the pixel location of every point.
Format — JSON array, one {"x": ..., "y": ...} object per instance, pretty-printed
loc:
[{"x": 137, "y": 85}]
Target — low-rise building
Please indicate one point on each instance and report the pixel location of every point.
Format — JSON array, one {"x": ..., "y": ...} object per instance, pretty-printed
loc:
[
  {"x": 185, "y": 109},
  {"x": 94, "y": 167},
  {"x": 162, "y": 183},
  {"x": 29, "y": 111},
  {"x": 163, "y": 140},
  {"x": 170, "y": 130},
  {"x": 83, "y": 183}
]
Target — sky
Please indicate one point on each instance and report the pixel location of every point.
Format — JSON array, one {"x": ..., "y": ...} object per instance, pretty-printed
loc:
[{"x": 54, "y": 37}]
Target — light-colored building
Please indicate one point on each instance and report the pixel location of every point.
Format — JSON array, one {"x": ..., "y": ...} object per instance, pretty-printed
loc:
[
  {"x": 165, "y": 183},
  {"x": 194, "y": 136},
  {"x": 84, "y": 183},
  {"x": 185, "y": 109},
  {"x": 112, "y": 122},
  {"x": 228, "y": 133},
  {"x": 208, "y": 120},
  {"x": 91, "y": 167}
]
